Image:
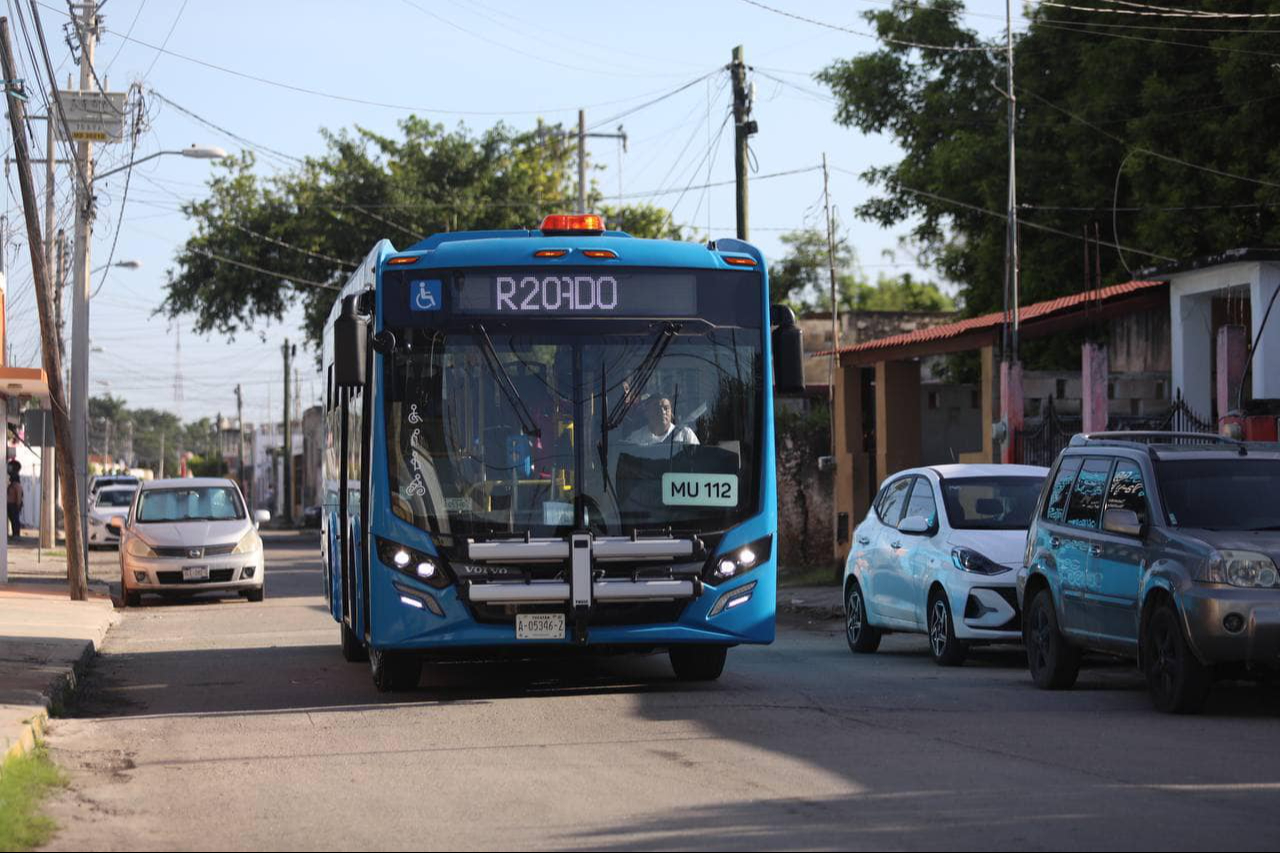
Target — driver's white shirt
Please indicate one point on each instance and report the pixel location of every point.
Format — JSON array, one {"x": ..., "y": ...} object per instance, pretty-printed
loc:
[{"x": 645, "y": 437}]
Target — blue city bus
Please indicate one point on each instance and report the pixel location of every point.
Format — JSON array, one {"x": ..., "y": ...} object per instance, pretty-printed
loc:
[{"x": 553, "y": 440}]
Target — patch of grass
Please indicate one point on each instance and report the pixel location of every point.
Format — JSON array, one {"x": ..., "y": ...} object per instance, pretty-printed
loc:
[
  {"x": 24, "y": 781},
  {"x": 807, "y": 576}
]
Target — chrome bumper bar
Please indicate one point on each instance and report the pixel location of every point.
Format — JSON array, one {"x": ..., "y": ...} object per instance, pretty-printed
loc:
[{"x": 557, "y": 592}]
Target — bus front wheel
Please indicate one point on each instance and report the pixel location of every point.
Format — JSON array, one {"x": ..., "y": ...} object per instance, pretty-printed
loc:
[
  {"x": 698, "y": 663},
  {"x": 394, "y": 671},
  {"x": 353, "y": 650}
]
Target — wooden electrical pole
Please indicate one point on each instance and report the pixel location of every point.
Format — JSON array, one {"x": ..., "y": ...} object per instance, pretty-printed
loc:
[
  {"x": 77, "y": 580},
  {"x": 288, "y": 444},
  {"x": 743, "y": 127}
]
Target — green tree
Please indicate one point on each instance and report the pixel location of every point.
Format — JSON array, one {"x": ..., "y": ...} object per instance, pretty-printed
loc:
[
  {"x": 802, "y": 279},
  {"x": 1103, "y": 112},
  {"x": 310, "y": 226},
  {"x": 643, "y": 220}
]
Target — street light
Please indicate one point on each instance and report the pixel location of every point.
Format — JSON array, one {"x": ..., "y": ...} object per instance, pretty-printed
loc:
[
  {"x": 124, "y": 265},
  {"x": 80, "y": 298}
]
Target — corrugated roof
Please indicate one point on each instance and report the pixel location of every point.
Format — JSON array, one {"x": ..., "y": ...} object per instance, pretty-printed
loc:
[{"x": 1038, "y": 311}]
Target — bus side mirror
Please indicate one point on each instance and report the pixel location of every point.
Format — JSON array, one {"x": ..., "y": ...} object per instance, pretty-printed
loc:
[
  {"x": 350, "y": 345},
  {"x": 788, "y": 351}
]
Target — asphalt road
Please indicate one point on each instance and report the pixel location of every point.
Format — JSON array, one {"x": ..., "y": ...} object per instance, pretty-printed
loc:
[{"x": 221, "y": 724}]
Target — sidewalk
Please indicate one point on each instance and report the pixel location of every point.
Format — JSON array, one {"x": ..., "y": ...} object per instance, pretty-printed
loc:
[
  {"x": 46, "y": 640},
  {"x": 816, "y": 603}
]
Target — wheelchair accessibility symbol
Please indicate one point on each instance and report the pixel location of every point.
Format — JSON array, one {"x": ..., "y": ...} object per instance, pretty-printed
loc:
[{"x": 425, "y": 295}]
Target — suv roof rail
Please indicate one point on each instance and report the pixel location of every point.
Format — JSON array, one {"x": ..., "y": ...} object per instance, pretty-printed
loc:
[{"x": 1147, "y": 438}]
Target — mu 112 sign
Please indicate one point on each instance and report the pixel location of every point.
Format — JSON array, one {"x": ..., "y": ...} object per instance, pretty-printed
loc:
[{"x": 577, "y": 293}]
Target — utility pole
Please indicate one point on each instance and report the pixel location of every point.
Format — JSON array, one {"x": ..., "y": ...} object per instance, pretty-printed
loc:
[
  {"x": 1011, "y": 232},
  {"x": 162, "y": 437},
  {"x": 76, "y": 577},
  {"x": 240, "y": 431},
  {"x": 288, "y": 444},
  {"x": 835, "y": 346},
  {"x": 743, "y": 128},
  {"x": 88, "y": 27},
  {"x": 582, "y": 157},
  {"x": 48, "y": 494}
]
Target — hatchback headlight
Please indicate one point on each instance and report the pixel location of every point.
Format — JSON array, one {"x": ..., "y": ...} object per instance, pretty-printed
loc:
[
  {"x": 968, "y": 560},
  {"x": 138, "y": 548},
  {"x": 1247, "y": 569},
  {"x": 249, "y": 542}
]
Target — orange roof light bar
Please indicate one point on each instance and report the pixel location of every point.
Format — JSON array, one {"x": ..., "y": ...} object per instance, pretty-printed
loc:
[
  {"x": 400, "y": 261},
  {"x": 572, "y": 223},
  {"x": 600, "y": 253},
  {"x": 551, "y": 253},
  {"x": 740, "y": 262}
]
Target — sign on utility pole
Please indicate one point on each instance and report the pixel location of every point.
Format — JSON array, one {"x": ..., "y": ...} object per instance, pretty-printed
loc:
[{"x": 94, "y": 116}]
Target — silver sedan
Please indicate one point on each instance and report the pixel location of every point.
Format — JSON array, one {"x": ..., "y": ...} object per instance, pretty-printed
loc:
[{"x": 185, "y": 536}]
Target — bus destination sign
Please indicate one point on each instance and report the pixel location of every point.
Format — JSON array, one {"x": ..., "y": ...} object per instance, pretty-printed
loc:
[{"x": 616, "y": 293}]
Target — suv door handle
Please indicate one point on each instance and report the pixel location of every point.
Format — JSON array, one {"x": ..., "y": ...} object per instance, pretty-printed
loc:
[
  {"x": 864, "y": 540},
  {"x": 1055, "y": 542}
]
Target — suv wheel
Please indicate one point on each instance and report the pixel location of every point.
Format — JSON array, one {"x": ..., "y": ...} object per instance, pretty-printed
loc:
[
  {"x": 863, "y": 637},
  {"x": 1178, "y": 682},
  {"x": 943, "y": 645},
  {"x": 1054, "y": 663}
]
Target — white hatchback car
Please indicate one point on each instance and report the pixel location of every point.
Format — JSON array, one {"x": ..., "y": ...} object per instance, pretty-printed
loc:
[
  {"x": 937, "y": 542},
  {"x": 190, "y": 535}
]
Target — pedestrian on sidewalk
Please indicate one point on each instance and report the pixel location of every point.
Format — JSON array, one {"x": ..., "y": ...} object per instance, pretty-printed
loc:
[{"x": 15, "y": 507}]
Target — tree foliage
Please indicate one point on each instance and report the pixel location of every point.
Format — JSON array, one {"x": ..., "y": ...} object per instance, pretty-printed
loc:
[
  {"x": 1105, "y": 109},
  {"x": 311, "y": 225},
  {"x": 802, "y": 279}
]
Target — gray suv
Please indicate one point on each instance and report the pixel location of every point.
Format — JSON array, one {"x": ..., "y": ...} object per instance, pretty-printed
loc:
[{"x": 1161, "y": 547}]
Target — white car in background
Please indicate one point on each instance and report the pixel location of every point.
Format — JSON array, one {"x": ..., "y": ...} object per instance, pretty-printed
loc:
[
  {"x": 938, "y": 553},
  {"x": 108, "y": 502},
  {"x": 183, "y": 536}
]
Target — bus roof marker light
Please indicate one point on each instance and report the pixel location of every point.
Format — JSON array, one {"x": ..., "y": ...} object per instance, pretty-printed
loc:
[
  {"x": 551, "y": 253},
  {"x": 740, "y": 262},
  {"x": 572, "y": 223},
  {"x": 404, "y": 260},
  {"x": 600, "y": 253}
]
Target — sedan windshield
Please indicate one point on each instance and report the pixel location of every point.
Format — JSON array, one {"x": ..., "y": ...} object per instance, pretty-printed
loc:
[
  {"x": 642, "y": 427},
  {"x": 115, "y": 497},
  {"x": 1221, "y": 494},
  {"x": 991, "y": 503},
  {"x": 196, "y": 503}
]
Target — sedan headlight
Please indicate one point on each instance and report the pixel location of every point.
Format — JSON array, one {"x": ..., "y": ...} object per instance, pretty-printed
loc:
[
  {"x": 967, "y": 560},
  {"x": 1239, "y": 568},
  {"x": 248, "y": 543},
  {"x": 138, "y": 548}
]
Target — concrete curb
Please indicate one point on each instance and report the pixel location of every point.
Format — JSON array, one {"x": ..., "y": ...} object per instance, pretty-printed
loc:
[
  {"x": 818, "y": 604},
  {"x": 43, "y": 684}
]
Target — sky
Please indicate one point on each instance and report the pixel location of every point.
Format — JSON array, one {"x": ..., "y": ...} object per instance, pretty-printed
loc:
[{"x": 288, "y": 68}]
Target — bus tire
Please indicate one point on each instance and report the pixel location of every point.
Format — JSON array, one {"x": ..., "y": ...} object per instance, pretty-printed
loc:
[
  {"x": 353, "y": 650},
  {"x": 698, "y": 662},
  {"x": 394, "y": 671}
]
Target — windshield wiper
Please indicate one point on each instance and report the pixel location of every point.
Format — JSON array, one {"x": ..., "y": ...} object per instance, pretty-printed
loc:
[
  {"x": 640, "y": 377},
  {"x": 527, "y": 424}
]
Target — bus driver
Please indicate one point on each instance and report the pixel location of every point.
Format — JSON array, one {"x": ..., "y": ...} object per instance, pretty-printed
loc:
[{"x": 660, "y": 427}]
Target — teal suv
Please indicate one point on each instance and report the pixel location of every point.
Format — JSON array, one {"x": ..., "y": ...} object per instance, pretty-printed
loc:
[{"x": 1159, "y": 547}]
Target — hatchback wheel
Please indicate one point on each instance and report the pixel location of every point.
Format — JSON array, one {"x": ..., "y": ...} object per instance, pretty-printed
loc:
[
  {"x": 1179, "y": 683},
  {"x": 863, "y": 637},
  {"x": 1054, "y": 663},
  {"x": 943, "y": 645}
]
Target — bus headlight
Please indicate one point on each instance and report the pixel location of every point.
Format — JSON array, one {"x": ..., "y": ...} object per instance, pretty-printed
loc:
[
  {"x": 735, "y": 561},
  {"x": 138, "y": 548},
  {"x": 413, "y": 563}
]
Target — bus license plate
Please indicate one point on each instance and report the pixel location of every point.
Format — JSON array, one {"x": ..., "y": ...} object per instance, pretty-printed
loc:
[
  {"x": 539, "y": 626},
  {"x": 195, "y": 573}
]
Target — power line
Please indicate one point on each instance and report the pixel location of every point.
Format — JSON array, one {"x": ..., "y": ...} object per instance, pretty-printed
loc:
[
  {"x": 997, "y": 214},
  {"x": 657, "y": 100},
  {"x": 289, "y": 278},
  {"x": 765, "y": 177},
  {"x": 1153, "y": 11},
  {"x": 167, "y": 36},
  {"x": 891, "y": 40},
  {"x": 1082, "y": 28}
]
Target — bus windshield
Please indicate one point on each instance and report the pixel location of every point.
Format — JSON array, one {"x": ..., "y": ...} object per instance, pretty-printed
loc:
[{"x": 614, "y": 427}]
